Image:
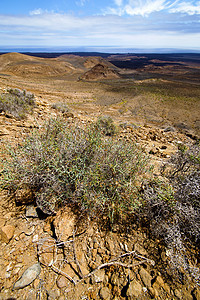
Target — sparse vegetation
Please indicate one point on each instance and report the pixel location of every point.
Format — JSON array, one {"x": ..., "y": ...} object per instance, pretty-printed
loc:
[
  {"x": 60, "y": 106},
  {"x": 62, "y": 164},
  {"x": 17, "y": 103},
  {"x": 172, "y": 210},
  {"x": 142, "y": 233},
  {"x": 106, "y": 125},
  {"x": 66, "y": 164}
]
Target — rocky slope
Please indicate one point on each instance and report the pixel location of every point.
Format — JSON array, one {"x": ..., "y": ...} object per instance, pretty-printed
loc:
[
  {"x": 68, "y": 256},
  {"x": 100, "y": 71}
]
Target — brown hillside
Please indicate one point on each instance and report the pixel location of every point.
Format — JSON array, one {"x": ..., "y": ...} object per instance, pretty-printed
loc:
[
  {"x": 24, "y": 65},
  {"x": 83, "y": 63},
  {"x": 100, "y": 71},
  {"x": 90, "y": 62}
]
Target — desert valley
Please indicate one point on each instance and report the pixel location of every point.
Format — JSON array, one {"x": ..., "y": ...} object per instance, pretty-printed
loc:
[{"x": 146, "y": 109}]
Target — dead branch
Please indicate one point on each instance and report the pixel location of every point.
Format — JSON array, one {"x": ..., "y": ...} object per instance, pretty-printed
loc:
[
  {"x": 62, "y": 273},
  {"x": 75, "y": 257},
  {"x": 115, "y": 262}
]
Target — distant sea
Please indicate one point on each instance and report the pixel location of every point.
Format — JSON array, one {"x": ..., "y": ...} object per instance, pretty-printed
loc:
[{"x": 101, "y": 49}]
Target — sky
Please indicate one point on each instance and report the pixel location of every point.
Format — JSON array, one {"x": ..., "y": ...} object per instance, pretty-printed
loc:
[{"x": 99, "y": 23}]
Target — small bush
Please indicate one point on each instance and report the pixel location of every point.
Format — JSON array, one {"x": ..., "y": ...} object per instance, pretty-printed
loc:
[
  {"x": 171, "y": 208},
  {"x": 106, "y": 125},
  {"x": 61, "y": 106},
  {"x": 62, "y": 164},
  {"x": 17, "y": 103}
]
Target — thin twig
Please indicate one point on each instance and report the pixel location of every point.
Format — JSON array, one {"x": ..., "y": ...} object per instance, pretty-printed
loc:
[
  {"x": 115, "y": 262},
  {"x": 63, "y": 273},
  {"x": 137, "y": 256},
  {"x": 75, "y": 257}
]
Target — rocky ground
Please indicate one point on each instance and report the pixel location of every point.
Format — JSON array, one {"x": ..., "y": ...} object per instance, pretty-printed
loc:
[
  {"x": 68, "y": 256},
  {"x": 64, "y": 257}
]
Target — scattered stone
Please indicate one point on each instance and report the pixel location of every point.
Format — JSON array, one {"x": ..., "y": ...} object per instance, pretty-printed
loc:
[
  {"x": 6, "y": 233},
  {"x": 4, "y": 132},
  {"x": 29, "y": 231},
  {"x": 31, "y": 211},
  {"x": 9, "y": 116},
  {"x": 166, "y": 288},
  {"x": 153, "y": 292},
  {"x": 178, "y": 294},
  {"x": 53, "y": 294},
  {"x": 99, "y": 276},
  {"x": 105, "y": 293},
  {"x": 138, "y": 248},
  {"x": 146, "y": 277},
  {"x": 28, "y": 276},
  {"x": 62, "y": 282},
  {"x": 134, "y": 289},
  {"x": 169, "y": 129},
  {"x": 159, "y": 280}
]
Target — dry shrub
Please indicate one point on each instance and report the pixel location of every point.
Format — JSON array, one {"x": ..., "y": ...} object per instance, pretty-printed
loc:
[
  {"x": 171, "y": 208},
  {"x": 17, "y": 103},
  {"x": 106, "y": 125},
  {"x": 60, "y": 106},
  {"x": 66, "y": 164}
]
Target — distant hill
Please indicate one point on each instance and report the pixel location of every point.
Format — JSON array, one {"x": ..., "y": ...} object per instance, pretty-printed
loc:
[
  {"x": 100, "y": 71},
  {"x": 24, "y": 65}
]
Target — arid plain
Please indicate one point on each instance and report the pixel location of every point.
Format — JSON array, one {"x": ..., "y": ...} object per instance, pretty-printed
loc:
[
  {"x": 162, "y": 90},
  {"x": 154, "y": 101}
]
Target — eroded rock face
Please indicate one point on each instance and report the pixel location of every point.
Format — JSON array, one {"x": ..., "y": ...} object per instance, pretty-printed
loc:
[
  {"x": 61, "y": 262},
  {"x": 46, "y": 251},
  {"x": 64, "y": 224}
]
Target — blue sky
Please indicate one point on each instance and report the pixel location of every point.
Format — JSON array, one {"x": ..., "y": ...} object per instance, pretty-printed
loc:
[{"x": 114, "y": 23}]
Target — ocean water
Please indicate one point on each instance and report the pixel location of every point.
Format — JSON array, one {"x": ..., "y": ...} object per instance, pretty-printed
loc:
[{"x": 101, "y": 49}]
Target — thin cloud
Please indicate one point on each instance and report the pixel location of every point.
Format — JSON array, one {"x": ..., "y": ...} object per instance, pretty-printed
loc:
[
  {"x": 187, "y": 7},
  {"x": 161, "y": 29},
  {"x": 81, "y": 2},
  {"x": 118, "y": 2},
  {"x": 147, "y": 7},
  {"x": 37, "y": 11},
  {"x": 53, "y": 22}
]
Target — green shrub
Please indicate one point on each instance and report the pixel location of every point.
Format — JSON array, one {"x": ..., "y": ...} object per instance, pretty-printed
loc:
[
  {"x": 62, "y": 164},
  {"x": 106, "y": 125},
  {"x": 17, "y": 103}
]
